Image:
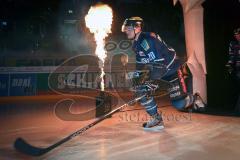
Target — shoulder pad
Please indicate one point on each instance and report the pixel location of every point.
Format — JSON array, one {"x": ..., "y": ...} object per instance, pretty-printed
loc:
[
  {"x": 153, "y": 35},
  {"x": 147, "y": 35}
]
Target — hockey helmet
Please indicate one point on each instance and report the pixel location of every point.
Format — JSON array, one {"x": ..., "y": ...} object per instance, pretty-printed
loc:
[
  {"x": 132, "y": 21},
  {"x": 236, "y": 31}
]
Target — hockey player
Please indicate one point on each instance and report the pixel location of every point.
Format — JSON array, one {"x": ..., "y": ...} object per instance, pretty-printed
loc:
[
  {"x": 154, "y": 55},
  {"x": 233, "y": 64},
  {"x": 234, "y": 55}
]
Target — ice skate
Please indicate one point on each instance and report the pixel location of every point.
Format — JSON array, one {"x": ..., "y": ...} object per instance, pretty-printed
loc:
[
  {"x": 198, "y": 104},
  {"x": 155, "y": 124}
]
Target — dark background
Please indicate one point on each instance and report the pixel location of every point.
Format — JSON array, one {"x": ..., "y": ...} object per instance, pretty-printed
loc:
[
  {"x": 220, "y": 19},
  {"x": 46, "y": 25}
]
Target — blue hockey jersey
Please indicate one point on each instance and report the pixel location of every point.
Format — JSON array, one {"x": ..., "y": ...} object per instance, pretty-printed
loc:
[
  {"x": 234, "y": 58},
  {"x": 151, "y": 49}
]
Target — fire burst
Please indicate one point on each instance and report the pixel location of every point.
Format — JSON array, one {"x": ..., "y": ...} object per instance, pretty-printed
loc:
[{"x": 99, "y": 21}]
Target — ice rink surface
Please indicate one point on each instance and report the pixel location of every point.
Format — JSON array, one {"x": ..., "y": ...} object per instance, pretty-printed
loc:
[{"x": 186, "y": 136}]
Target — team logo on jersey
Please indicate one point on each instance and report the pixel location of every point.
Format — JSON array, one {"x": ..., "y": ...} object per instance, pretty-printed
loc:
[
  {"x": 145, "y": 45},
  {"x": 141, "y": 53},
  {"x": 151, "y": 56}
]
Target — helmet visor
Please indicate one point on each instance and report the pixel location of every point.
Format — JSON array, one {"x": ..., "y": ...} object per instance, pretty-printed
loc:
[{"x": 126, "y": 28}]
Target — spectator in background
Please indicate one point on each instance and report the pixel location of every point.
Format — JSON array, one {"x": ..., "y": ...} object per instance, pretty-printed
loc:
[{"x": 233, "y": 63}]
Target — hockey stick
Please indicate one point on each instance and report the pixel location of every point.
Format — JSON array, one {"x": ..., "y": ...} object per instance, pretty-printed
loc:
[{"x": 24, "y": 147}]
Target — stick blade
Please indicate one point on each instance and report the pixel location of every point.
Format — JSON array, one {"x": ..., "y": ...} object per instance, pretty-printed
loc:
[{"x": 22, "y": 146}]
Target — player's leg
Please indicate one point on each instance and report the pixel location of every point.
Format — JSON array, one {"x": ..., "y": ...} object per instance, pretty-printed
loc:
[
  {"x": 180, "y": 92},
  {"x": 148, "y": 102}
]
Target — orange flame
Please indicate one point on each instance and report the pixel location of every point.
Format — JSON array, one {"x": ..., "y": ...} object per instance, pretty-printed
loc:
[{"x": 99, "y": 21}]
